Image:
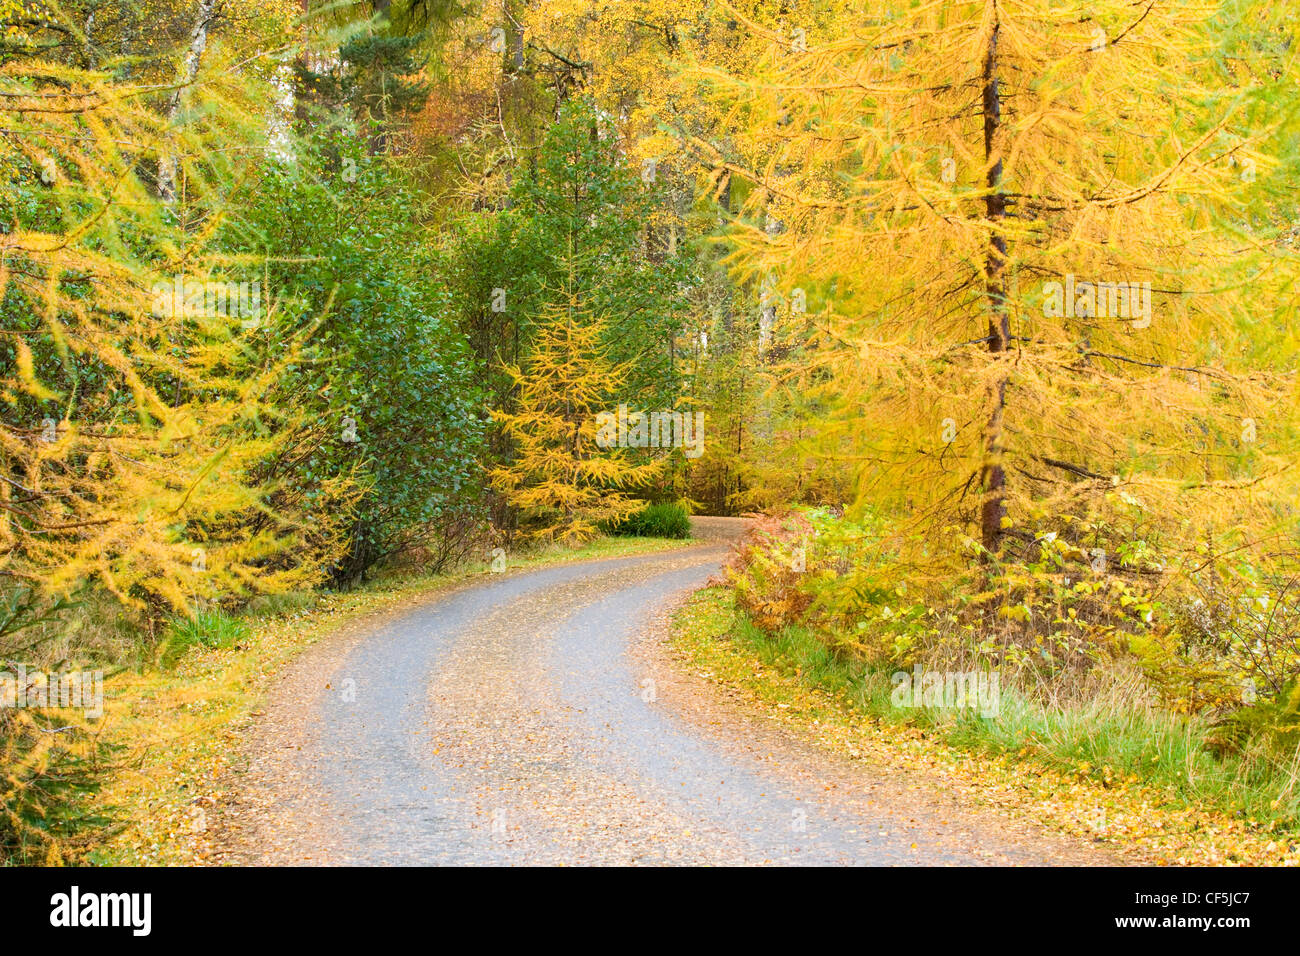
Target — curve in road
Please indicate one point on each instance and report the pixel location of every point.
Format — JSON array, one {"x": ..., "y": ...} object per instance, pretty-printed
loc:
[{"x": 532, "y": 718}]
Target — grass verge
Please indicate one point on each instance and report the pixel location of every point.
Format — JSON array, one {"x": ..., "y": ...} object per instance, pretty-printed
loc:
[{"x": 1135, "y": 781}]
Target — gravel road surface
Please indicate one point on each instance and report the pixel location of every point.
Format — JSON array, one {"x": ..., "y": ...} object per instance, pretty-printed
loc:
[{"x": 533, "y": 717}]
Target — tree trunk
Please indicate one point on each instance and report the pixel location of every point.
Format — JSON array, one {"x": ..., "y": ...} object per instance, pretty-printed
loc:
[
  {"x": 993, "y": 478},
  {"x": 167, "y": 168}
]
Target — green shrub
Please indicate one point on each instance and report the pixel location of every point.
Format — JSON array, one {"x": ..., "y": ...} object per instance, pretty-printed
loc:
[
  {"x": 666, "y": 520},
  {"x": 384, "y": 370}
]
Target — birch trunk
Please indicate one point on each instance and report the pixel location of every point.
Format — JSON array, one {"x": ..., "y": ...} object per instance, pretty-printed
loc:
[{"x": 167, "y": 162}]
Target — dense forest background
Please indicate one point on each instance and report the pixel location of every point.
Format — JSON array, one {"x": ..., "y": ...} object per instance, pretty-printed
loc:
[{"x": 989, "y": 307}]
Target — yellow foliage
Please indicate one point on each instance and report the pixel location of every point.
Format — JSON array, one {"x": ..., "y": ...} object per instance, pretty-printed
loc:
[
  {"x": 562, "y": 482},
  {"x": 133, "y": 438},
  {"x": 951, "y": 204}
]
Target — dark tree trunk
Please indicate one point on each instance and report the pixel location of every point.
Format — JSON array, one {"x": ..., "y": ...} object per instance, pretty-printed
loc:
[{"x": 993, "y": 478}]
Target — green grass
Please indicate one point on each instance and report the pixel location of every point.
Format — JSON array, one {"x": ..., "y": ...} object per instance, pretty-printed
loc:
[
  {"x": 1116, "y": 734},
  {"x": 206, "y": 627},
  {"x": 277, "y": 605}
]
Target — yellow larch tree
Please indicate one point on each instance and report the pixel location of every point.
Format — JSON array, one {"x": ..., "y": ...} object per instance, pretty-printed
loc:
[
  {"x": 1033, "y": 260},
  {"x": 566, "y": 479},
  {"x": 137, "y": 423}
]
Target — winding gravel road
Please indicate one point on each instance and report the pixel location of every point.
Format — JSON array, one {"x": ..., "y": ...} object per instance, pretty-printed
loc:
[{"x": 533, "y": 718}]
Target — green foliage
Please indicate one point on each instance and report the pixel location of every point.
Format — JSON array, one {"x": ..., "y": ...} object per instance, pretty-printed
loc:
[
  {"x": 387, "y": 384},
  {"x": 483, "y": 253},
  {"x": 1114, "y": 734},
  {"x": 1275, "y": 722},
  {"x": 1231, "y": 640},
  {"x": 22, "y": 608},
  {"x": 667, "y": 519},
  {"x": 1213, "y": 638},
  {"x": 586, "y": 205},
  {"x": 278, "y": 605},
  {"x": 568, "y": 252},
  {"x": 578, "y": 219},
  {"x": 372, "y": 84}
]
